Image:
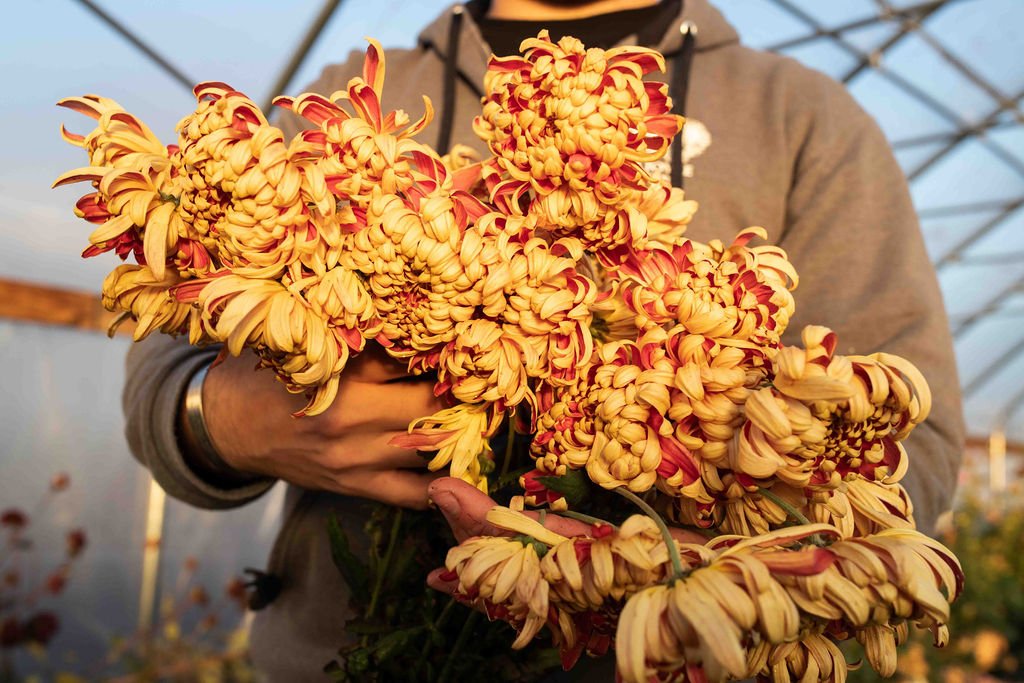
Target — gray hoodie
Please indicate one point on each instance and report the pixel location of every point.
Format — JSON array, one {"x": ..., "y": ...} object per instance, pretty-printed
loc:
[{"x": 768, "y": 142}]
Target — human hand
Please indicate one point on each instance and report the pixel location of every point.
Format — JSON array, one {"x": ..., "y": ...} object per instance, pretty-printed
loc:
[
  {"x": 465, "y": 508},
  {"x": 345, "y": 449}
]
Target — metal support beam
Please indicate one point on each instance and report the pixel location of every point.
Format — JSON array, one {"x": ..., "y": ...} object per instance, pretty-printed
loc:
[
  {"x": 980, "y": 129},
  {"x": 835, "y": 32},
  {"x": 990, "y": 307},
  {"x": 300, "y": 52},
  {"x": 154, "y": 56},
  {"x": 992, "y": 369},
  {"x": 958, "y": 137},
  {"x": 988, "y": 226},
  {"x": 874, "y": 59},
  {"x": 960, "y": 209}
]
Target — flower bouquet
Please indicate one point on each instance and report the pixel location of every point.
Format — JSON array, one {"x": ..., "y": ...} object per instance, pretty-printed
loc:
[{"x": 550, "y": 291}]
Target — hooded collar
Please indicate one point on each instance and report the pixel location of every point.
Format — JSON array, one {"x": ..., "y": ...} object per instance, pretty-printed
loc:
[{"x": 473, "y": 51}]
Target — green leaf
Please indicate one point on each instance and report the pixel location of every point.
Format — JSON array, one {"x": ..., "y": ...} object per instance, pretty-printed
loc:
[
  {"x": 352, "y": 569},
  {"x": 364, "y": 628},
  {"x": 335, "y": 671},
  {"x": 393, "y": 642},
  {"x": 573, "y": 485}
]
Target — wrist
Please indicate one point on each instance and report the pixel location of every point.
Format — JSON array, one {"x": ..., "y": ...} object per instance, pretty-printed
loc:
[{"x": 198, "y": 449}]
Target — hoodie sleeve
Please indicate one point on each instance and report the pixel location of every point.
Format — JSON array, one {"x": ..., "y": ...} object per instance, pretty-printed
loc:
[
  {"x": 852, "y": 233},
  {"x": 158, "y": 371}
]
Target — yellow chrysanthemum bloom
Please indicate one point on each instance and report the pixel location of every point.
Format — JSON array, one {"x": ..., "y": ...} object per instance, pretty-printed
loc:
[
  {"x": 368, "y": 150},
  {"x": 736, "y": 292},
  {"x": 459, "y": 437},
  {"x": 547, "y": 304},
  {"x": 815, "y": 658},
  {"x": 713, "y": 379},
  {"x": 655, "y": 218},
  {"x": 882, "y": 580},
  {"x": 484, "y": 363},
  {"x": 119, "y": 140},
  {"x": 590, "y": 121},
  {"x": 709, "y": 618},
  {"x": 829, "y": 418},
  {"x": 610, "y": 422},
  {"x": 130, "y": 170},
  {"x": 276, "y": 321},
  {"x": 418, "y": 271},
  {"x": 503, "y": 576},
  {"x": 137, "y": 291},
  {"x": 254, "y": 202}
]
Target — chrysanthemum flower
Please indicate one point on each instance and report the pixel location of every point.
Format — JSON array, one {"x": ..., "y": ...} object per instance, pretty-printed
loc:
[
  {"x": 484, "y": 363},
  {"x": 655, "y": 218},
  {"x": 547, "y": 304},
  {"x": 736, "y": 507},
  {"x": 702, "y": 624},
  {"x": 130, "y": 170},
  {"x": 503, "y": 576},
  {"x": 119, "y": 140},
  {"x": 860, "y": 507},
  {"x": 343, "y": 301},
  {"x": 815, "y": 658},
  {"x": 243, "y": 194},
  {"x": 292, "y": 338},
  {"x": 573, "y": 126},
  {"x": 598, "y": 573},
  {"x": 366, "y": 150},
  {"x": 137, "y": 291},
  {"x": 736, "y": 292},
  {"x": 416, "y": 268},
  {"x": 611, "y": 423},
  {"x": 713, "y": 380},
  {"x": 459, "y": 437},
  {"x": 828, "y": 417},
  {"x": 882, "y": 580}
]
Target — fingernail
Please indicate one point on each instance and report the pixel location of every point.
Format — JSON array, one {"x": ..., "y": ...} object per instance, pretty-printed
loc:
[{"x": 449, "y": 505}]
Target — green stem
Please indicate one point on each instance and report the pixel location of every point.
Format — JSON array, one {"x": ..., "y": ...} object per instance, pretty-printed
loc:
[
  {"x": 383, "y": 570},
  {"x": 460, "y": 643},
  {"x": 509, "y": 445},
  {"x": 443, "y": 617},
  {"x": 585, "y": 518},
  {"x": 786, "y": 507},
  {"x": 673, "y": 552},
  {"x": 436, "y": 626}
]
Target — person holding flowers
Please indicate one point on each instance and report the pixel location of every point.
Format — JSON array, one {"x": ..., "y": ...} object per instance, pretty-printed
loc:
[{"x": 710, "y": 396}]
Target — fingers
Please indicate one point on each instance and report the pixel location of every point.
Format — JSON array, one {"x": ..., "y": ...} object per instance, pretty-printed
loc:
[
  {"x": 382, "y": 406},
  {"x": 466, "y": 507},
  {"x": 435, "y": 581},
  {"x": 404, "y": 488}
]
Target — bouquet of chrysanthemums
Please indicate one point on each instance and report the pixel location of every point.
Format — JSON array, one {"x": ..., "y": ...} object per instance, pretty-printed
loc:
[{"x": 550, "y": 288}]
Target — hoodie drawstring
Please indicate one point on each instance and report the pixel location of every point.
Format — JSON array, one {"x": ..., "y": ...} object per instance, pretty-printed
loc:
[
  {"x": 678, "y": 90},
  {"x": 450, "y": 72}
]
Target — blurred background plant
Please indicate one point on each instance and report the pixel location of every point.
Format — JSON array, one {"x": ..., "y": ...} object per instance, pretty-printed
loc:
[
  {"x": 28, "y": 593},
  {"x": 986, "y": 531},
  {"x": 194, "y": 637}
]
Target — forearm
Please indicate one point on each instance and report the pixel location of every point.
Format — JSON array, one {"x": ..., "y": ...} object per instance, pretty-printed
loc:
[{"x": 158, "y": 371}]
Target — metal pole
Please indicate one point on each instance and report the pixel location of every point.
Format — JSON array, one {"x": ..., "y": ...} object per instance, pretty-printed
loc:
[
  {"x": 299, "y": 55},
  {"x": 156, "y": 504},
  {"x": 172, "y": 71}
]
